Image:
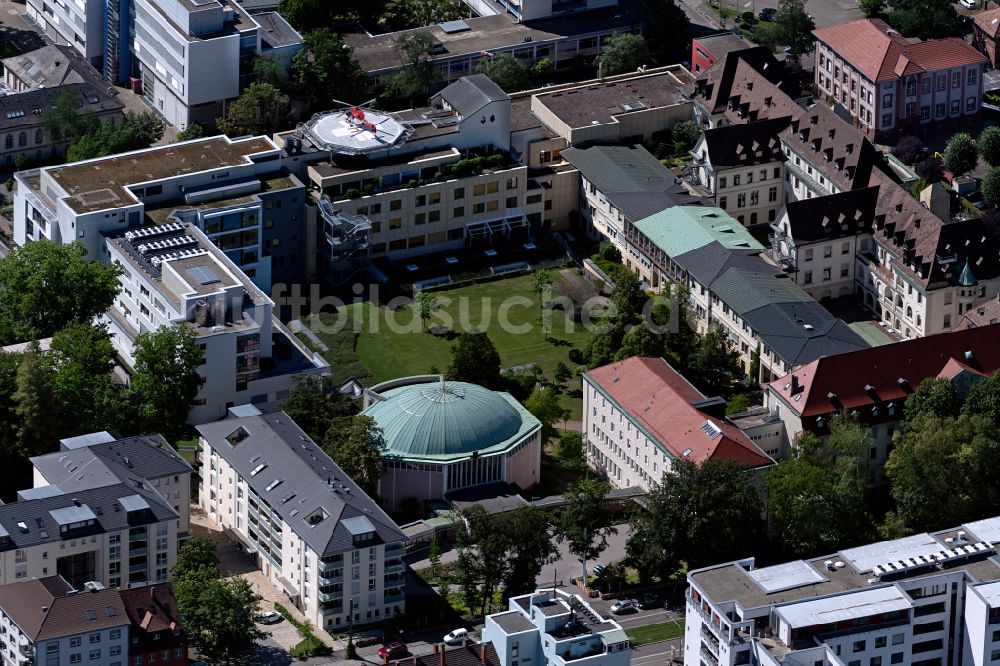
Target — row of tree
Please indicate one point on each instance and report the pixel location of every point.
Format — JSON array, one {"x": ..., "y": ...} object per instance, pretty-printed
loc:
[{"x": 89, "y": 137}]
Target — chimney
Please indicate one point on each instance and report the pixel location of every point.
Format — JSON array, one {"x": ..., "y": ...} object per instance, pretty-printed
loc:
[
  {"x": 444, "y": 649},
  {"x": 482, "y": 652}
]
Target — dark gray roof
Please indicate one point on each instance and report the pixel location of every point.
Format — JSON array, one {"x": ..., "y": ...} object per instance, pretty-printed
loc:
[
  {"x": 785, "y": 318},
  {"x": 308, "y": 480},
  {"x": 746, "y": 144},
  {"x": 104, "y": 463},
  {"x": 840, "y": 215},
  {"x": 630, "y": 178},
  {"x": 40, "y": 526},
  {"x": 50, "y": 608},
  {"x": 513, "y": 622},
  {"x": 471, "y": 93},
  {"x": 275, "y": 31},
  {"x": 51, "y": 66},
  {"x": 723, "y": 43},
  {"x": 24, "y": 110}
]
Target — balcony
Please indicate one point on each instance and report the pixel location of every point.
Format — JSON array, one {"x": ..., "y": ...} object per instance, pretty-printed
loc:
[
  {"x": 333, "y": 565},
  {"x": 330, "y": 596},
  {"x": 395, "y": 551},
  {"x": 711, "y": 641},
  {"x": 138, "y": 568},
  {"x": 137, "y": 536},
  {"x": 139, "y": 551},
  {"x": 26, "y": 649},
  {"x": 395, "y": 568},
  {"x": 393, "y": 596},
  {"x": 332, "y": 576},
  {"x": 709, "y": 658}
]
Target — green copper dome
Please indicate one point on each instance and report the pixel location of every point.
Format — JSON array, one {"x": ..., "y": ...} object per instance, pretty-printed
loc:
[{"x": 442, "y": 420}]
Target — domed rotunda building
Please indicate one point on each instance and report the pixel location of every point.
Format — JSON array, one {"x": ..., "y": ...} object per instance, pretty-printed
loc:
[{"x": 444, "y": 436}]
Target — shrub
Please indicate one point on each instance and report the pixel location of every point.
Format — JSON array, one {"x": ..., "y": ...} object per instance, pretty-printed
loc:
[
  {"x": 909, "y": 149},
  {"x": 989, "y": 145},
  {"x": 990, "y": 187},
  {"x": 607, "y": 250},
  {"x": 369, "y": 188},
  {"x": 961, "y": 154},
  {"x": 930, "y": 170},
  {"x": 412, "y": 184},
  {"x": 576, "y": 356},
  {"x": 686, "y": 132},
  {"x": 353, "y": 193}
]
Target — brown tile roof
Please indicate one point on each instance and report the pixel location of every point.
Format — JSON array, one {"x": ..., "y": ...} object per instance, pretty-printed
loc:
[
  {"x": 727, "y": 78},
  {"x": 982, "y": 313},
  {"x": 823, "y": 137},
  {"x": 723, "y": 43},
  {"x": 152, "y": 610},
  {"x": 869, "y": 377},
  {"x": 50, "y": 608},
  {"x": 662, "y": 402},
  {"x": 870, "y": 45},
  {"x": 881, "y": 53},
  {"x": 988, "y": 21}
]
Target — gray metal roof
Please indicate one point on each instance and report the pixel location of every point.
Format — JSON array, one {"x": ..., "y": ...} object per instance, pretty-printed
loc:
[
  {"x": 72, "y": 514},
  {"x": 471, "y": 93},
  {"x": 276, "y": 32},
  {"x": 359, "y": 525},
  {"x": 133, "y": 503},
  {"x": 99, "y": 463},
  {"x": 307, "y": 474},
  {"x": 82, "y": 441}
]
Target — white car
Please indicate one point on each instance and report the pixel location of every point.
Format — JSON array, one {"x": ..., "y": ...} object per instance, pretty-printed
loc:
[
  {"x": 456, "y": 636},
  {"x": 269, "y": 617},
  {"x": 623, "y": 606},
  {"x": 969, "y": 4}
]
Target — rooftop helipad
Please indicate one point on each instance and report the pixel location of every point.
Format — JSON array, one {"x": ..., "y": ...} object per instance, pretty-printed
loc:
[{"x": 356, "y": 130}]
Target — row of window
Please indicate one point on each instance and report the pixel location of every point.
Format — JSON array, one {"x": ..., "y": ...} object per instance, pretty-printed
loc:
[{"x": 737, "y": 178}]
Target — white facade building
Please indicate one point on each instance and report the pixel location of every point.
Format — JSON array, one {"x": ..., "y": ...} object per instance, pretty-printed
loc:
[
  {"x": 46, "y": 622},
  {"x": 923, "y": 600},
  {"x": 316, "y": 535},
  {"x": 556, "y": 628}
]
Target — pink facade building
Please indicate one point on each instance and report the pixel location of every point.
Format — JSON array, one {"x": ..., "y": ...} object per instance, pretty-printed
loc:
[{"x": 442, "y": 437}]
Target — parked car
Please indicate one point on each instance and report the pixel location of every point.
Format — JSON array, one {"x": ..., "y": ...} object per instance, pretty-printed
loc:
[
  {"x": 269, "y": 617},
  {"x": 456, "y": 636},
  {"x": 767, "y": 13},
  {"x": 969, "y": 4},
  {"x": 395, "y": 649},
  {"x": 623, "y": 606},
  {"x": 648, "y": 601}
]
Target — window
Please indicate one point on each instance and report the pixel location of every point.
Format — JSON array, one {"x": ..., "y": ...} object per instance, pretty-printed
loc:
[
  {"x": 479, "y": 190},
  {"x": 722, "y": 182},
  {"x": 478, "y": 208},
  {"x": 511, "y": 202},
  {"x": 827, "y": 251},
  {"x": 942, "y": 82},
  {"x": 750, "y": 177},
  {"x": 925, "y": 112},
  {"x": 115, "y": 634},
  {"x": 772, "y": 194},
  {"x": 970, "y": 80},
  {"x": 75, "y": 658},
  {"x": 955, "y": 106},
  {"x": 777, "y": 172},
  {"x": 807, "y": 277},
  {"x": 763, "y": 174},
  {"x": 75, "y": 641},
  {"x": 970, "y": 104},
  {"x": 736, "y": 180},
  {"x": 722, "y": 202},
  {"x": 826, "y": 274},
  {"x": 910, "y": 109},
  {"x": 395, "y": 222},
  {"x": 886, "y": 101},
  {"x": 493, "y": 187},
  {"x": 395, "y": 204},
  {"x": 809, "y": 254},
  {"x": 880, "y": 640},
  {"x": 95, "y": 655},
  {"x": 886, "y": 119},
  {"x": 956, "y": 79},
  {"x": 420, "y": 218},
  {"x": 939, "y": 110},
  {"x": 947, "y": 321},
  {"x": 876, "y": 661},
  {"x": 845, "y": 248},
  {"x": 459, "y": 212},
  {"x": 858, "y": 646},
  {"x": 459, "y": 193},
  {"x": 95, "y": 638},
  {"x": 741, "y": 200},
  {"x": 896, "y": 658},
  {"x": 925, "y": 86}
]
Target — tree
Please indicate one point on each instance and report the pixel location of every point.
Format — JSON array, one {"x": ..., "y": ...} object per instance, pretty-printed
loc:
[
  {"x": 623, "y": 52},
  {"x": 584, "y": 523},
  {"x": 194, "y": 555},
  {"x": 426, "y": 305},
  {"x": 926, "y": 19},
  {"x": 267, "y": 69},
  {"x": 666, "y": 29},
  {"x": 930, "y": 170},
  {"x": 627, "y": 301},
  {"x": 562, "y": 373},
  {"x": 324, "y": 69},
  {"x": 600, "y": 349},
  {"x": 795, "y": 25},
  {"x": 544, "y": 405},
  {"x": 990, "y": 187},
  {"x": 110, "y": 137},
  {"x": 738, "y": 404},
  {"x": 166, "y": 380},
  {"x": 640, "y": 341},
  {"x": 569, "y": 451},
  {"x": 942, "y": 470},
  {"x": 715, "y": 364},
  {"x": 474, "y": 359},
  {"x": 314, "y": 403},
  {"x": 933, "y": 396},
  {"x": 686, "y": 133},
  {"x": 698, "y": 515},
  {"x": 988, "y": 145},
  {"x": 540, "y": 282},
  {"x": 191, "y": 132},
  {"x": 908, "y": 149},
  {"x": 63, "y": 121},
  {"x": 84, "y": 393},
  {"x": 260, "y": 109},
  {"x": 219, "y": 614},
  {"x": 310, "y": 15},
  {"x": 984, "y": 399},
  {"x": 505, "y": 71},
  {"x": 871, "y": 8},
  {"x": 542, "y": 70},
  {"x": 434, "y": 557},
  {"x": 356, "y": 444},
  {"x": 416, "y": 72},
  {"x": 754, "y": 374},
  {"x": 45, "y": 285},
  {"x": 37, "y": 431},
  {"x": 405, "y": 14},
  {"x": 960, "y": 154}
]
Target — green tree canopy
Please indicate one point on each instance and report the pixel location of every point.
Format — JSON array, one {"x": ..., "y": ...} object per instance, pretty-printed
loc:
[
  {"x": 194, "y": 555},
  {"x": 110, "y": 137},
  {"x": 627, "y": 300},
  {"x": 698, "y": 515},
  {"x": 715, "y": 366},
  {"x": 86, "y": 396},
  {"x": 416, "y": 72},
  {"x": 926, "y": 19},
  {"x": 44, "y": 286},
  {"x": 988, "y": 145},
  {"x": 795, "y": 26},
  {"x": 990, "y": 187},
  {"x": 37, "y": 431},
  {"x": 960, "y": 154},
  {"x": 505, "y": 71},
  {"x": 666, "y": 29},
  {"x": 191, "y": 132},
  {"x": 165, "y": 380},
  {"x": 405, "y": 14},
  {"x": 544, "y": 405},
  {"x": 64, "y": 121},
  {"x": 309, "y": 15},
  {"x": 356, "y": 444},
  {"x": 261, "y": 109},
  {"x": 325, "y": 70},
  {"x": 474, "y": 359},
  {"x": 640, "y": 341},
  {"x": 314, "y": 402},
  {"x": 871, "y": 8},
  {"x": 623, "y": 52},
  {"x": 984, "y": 399},
  {"x": 585, "y": 522},
  {"x": 933, "y": 396}
]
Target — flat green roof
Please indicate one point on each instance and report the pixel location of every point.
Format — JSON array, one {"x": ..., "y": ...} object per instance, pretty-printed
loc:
[{"x": 682, "y": 229}]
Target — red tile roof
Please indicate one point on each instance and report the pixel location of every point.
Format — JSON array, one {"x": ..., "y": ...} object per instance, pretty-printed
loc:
[
  {"x": 659, "y": 400},
  {"x": 989, "y": 21},
  {"x": 869, "y": 377},
  {"x": 881, "y": 53},
  {"x": 152, "y": 609}
]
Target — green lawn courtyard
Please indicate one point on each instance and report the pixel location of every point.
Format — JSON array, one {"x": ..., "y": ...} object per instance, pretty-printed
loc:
[
  {"x": 390, "y": 344},
  {"x": 654, "y": 633}
]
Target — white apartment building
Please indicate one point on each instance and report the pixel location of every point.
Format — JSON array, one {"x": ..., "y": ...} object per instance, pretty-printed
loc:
[
  {"x": 47, "y": 622},
  {"x": 315, "y": 534},
  {"x": 558, "y": 628},
  {"x": 888, "y": 84},
  {"x": 923, "y": 600},
  {"x": 237, "y": 191},
  {"x": 172, "y": 275},
  {"x": 527, "y": 10},
  {"x": 640, "y": 415},
  {"x": 186, "y": 59},
  {"x": 100, "y": 459},
  {"x": 742, "y": 166}
]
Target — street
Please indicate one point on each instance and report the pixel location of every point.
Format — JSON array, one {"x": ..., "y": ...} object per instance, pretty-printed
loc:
[{"x": 705, "y": 18}]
